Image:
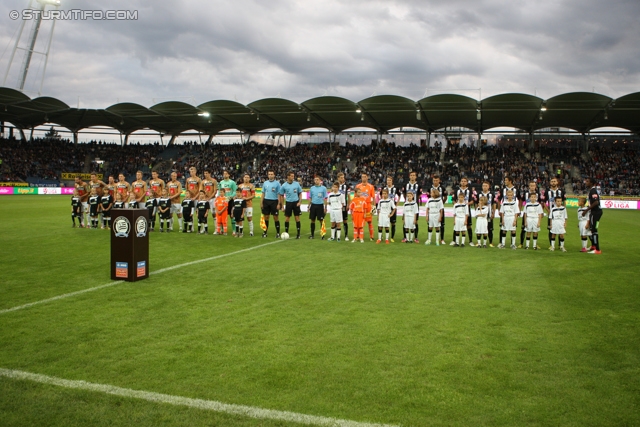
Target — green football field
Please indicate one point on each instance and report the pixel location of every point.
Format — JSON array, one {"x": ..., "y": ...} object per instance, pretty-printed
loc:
[{"x": 404, "y": 335}]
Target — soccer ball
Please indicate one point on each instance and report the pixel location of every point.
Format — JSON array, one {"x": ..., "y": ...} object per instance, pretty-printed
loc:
[{"x": 284, "y": 236}]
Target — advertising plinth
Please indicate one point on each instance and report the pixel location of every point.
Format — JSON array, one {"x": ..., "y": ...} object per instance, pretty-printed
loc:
[{"x": 129, "y": 244}]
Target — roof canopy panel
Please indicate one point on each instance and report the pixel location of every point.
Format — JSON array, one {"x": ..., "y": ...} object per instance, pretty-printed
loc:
[
  {"x": 579, "y": 111},
  {"x": 391, "y": 111},
  {"x": 624, "y": 113},
  {"x": 12, "y": 96},
  {"x": 511, "y": 110},
  {"x": 448, "y": 110},
  {"x": 287, "y": 114},
  {"x": 337, "y": 113}
]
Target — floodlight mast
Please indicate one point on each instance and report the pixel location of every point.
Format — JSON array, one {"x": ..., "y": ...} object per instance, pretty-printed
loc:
[{"x": 30, "y": 49}]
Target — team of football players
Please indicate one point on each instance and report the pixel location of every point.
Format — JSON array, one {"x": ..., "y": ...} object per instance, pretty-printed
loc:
[{"x": 226, "y": 199}]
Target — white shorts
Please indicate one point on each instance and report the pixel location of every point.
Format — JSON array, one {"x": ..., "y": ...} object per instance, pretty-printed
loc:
[
  {"x": 482, "y": 226},
  {"x": 85, "y": 206},
  {"x": 508, "y": 223},
  {"x": 175, "y": 208},
  {"x": 384, "y": 221},
  {"x": 460, "y": 224},
  {"x": 557, "y": 227},
  {"x": 409, "y": 222},
  {"x": 248, "y": 212},
  {"x": 434, "y": 221},
  {"x": 336, "y": 215},
  {"x": 532, "y": 226},
  {"x": 583, "y": 226}
]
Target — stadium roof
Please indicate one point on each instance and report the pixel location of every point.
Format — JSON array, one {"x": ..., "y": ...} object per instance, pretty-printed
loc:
[{"x": 580, "y": 111}]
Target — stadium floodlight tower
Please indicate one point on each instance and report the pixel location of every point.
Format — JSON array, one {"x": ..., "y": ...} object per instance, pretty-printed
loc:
[{"x": 31, "y": 44}]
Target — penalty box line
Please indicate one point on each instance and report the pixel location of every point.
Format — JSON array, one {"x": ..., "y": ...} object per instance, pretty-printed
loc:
[
  {"x": 207, "y": 405},
  {"x": 113, "y": 283}
]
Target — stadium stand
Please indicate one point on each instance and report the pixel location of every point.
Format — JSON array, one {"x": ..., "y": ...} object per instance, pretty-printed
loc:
[{"x": 614, "y": 164}]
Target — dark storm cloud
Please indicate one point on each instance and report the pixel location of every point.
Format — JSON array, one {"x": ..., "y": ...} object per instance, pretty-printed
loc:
[{"x": 247, "y": 50}]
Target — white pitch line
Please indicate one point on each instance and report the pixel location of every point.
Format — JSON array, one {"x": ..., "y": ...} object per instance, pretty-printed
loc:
[
  {"x": 208, "y": 405},
  {"x": 70, "y": 294},
  {"x": 106, "y": 285}
]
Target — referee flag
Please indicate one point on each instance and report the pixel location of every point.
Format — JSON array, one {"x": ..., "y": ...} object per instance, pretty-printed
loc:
[
  {"x": 323, "y": 230},
  {"x": 263, "y": 225}
]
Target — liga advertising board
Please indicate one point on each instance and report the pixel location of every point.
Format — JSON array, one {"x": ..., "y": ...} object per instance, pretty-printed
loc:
[{"x": 608, "y": 204}]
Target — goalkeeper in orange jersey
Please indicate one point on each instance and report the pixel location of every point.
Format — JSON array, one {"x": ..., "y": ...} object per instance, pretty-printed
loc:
[
  {"x": 368, "y": 192},
  {"x": 222, "y": 207},
  {"x": 359, "y": 206}
]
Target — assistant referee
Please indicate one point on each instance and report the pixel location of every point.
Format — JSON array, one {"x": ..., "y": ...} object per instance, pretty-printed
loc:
[
  {"x": 318, "y": 205},
  {"x": 270, "y": 202}
]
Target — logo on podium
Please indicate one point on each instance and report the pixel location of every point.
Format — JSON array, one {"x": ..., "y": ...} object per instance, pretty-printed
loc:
[
  {"x": 141, "y": 227},
  {"x": 121, "y": 227}
]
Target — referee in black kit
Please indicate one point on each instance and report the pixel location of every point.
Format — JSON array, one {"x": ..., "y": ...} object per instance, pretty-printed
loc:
[{"x": 596, "y": 213}]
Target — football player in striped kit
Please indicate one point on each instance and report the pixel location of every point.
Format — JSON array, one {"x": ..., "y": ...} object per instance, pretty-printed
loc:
[
  {"x": 552, "y": 192},
  {"x": 393, "y": 195},
  {"x": 413, "y": 187},
  {"x": 469, "y": 198},
  {"x": 491, "y": 204},
  {"x": 461, "y": 215},
  {"x": 509, "y": 213},
  {"x": 435, "y": 185},
  {"x": 435, "y": 216},
  {"x": 526, "y": 199},
  {"x": 345, "y": 190}
]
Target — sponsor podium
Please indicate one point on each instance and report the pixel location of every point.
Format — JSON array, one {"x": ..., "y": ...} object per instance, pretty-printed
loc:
[{"x": 129, "y": 244}]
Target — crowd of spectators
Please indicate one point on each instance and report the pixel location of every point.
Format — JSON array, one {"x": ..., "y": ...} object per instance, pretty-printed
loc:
[
  {"x": 47, "y": 158},
  {"x": 614, "y": 166}
]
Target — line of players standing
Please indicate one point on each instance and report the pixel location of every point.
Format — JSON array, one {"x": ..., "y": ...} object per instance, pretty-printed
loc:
[
  {"x": 508, "y": 204},
  {"x": 225, "y": 199}
]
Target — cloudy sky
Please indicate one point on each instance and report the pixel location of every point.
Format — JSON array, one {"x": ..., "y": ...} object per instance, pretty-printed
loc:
[{"x": 245, "y": 50}]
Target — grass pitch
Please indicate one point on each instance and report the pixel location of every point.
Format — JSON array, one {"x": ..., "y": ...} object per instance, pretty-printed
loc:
[{"x": 399, "y": 334}]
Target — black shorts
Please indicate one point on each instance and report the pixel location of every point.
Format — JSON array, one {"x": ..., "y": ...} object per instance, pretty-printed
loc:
[
  {"x": 394, "y": 217},
  {"x": 595, "y": 218},
  {"x": 316, "y": 212},
  {"x": 202, "y": 219},
  {"x": 238, "y": 215},
  {"x": 270, "y": 207},
  {"x": 291, "y": 208},
  {"x": 469, "y": 224},
  {"x": 187, "y": 218},
  {"x": 230, "y": 208},
  {"x": 93, "y": 211},
  {"x": 345, "y": 216},
  {"x": 166, "y": 215},
  {"x": 106, "y": 214}
]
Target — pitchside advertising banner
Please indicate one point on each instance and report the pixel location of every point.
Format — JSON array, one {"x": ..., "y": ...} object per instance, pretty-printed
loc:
[
  {"x": 572, "y": 202},
  {"x": 610, "y": 204},
  {"x": 70, "y": 176},
  {"x": 14, "y": 184}
]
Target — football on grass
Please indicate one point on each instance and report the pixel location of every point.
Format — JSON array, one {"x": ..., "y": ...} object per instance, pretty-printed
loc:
[{"x": 284, "y": 236}]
